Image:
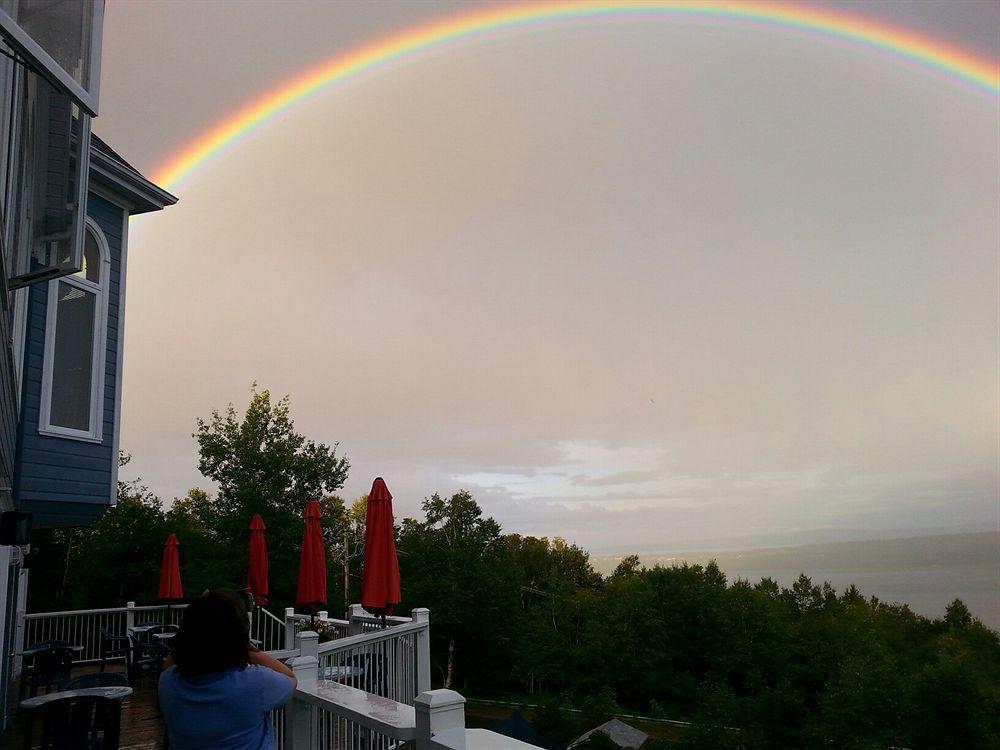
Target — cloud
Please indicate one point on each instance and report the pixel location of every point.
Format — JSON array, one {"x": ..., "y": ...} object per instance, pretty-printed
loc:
[{"x": 640, "y": 287}]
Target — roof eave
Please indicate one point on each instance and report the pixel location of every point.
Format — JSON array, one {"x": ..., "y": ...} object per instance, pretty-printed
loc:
[{"x": 142, "y": 195}]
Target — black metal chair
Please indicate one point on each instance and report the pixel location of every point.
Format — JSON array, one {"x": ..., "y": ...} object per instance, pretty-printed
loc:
[
  {"x": 113, "y": 647},
  {"x": 76, "y": 723},
  {"x": 47, "y": 668},
  {"x": 97, "y": 679},
  {"x": 143, "y": 658}
]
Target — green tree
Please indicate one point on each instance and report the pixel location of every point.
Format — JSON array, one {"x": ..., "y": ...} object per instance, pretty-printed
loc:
[
  {"x": 453, "y": 563},
  {"x": 262, "y": 465}
]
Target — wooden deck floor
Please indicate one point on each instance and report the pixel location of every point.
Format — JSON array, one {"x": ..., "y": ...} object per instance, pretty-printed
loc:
[{"x": 142, "y": 726}]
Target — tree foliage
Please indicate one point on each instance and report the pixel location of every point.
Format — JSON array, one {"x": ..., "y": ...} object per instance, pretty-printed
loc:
[
  {"x": 262, "y": 465},
  {"x": 259, "y": 463},
  {"x": 753, "y": 666},
  {"x": 750, "y": 665}
]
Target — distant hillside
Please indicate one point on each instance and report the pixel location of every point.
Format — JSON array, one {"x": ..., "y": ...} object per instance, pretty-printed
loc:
[
  {"x": 947, "y": 550},
  {"x": 924, "y": 572}
]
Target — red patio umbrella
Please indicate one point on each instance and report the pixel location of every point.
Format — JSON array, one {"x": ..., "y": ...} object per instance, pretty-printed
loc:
[
  {"x": 170, "y": 589},
  {"x": 380, "y": 576},
  {"x": 257, "y": 572},
  {"x": 311, "y": 591}
]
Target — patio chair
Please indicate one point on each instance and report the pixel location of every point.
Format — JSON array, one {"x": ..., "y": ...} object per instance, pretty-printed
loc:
[
  {"x": 47, "y": 668},
  {"x": 113, "y": 647},
  {"x": 97, "y": 679},
  {"x": 143, "y": 658},
  {"x": 81, "y": 723}
]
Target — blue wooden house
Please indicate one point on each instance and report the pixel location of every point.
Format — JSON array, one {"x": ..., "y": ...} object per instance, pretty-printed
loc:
[
  {"x": 68, "y": 336},
  {"x": 65, "y": 202}
]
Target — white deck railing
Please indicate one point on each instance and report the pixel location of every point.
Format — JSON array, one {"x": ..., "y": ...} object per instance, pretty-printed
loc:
[
  {"x": 358, "y": 621},
  {"x": 383, "y": 669},
  {"x": 390, "y": 704},
  {"x": 368, "y": 688},
  {"x": 83, "y": 627}
]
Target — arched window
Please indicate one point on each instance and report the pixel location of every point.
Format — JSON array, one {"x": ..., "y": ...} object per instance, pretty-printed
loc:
[{"x": 75, "y": 340}]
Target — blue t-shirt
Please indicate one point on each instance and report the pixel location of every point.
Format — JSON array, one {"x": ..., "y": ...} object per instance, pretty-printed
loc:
[{"x": 222, "y": 710}]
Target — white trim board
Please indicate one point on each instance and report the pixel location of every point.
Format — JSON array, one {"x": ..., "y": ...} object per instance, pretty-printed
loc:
[
  {"x": 119, "y": 369},
  {"x": 99, "y": 347}
]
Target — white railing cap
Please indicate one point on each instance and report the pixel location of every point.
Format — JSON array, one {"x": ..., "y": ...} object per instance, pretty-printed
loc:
[
  {"x": 476, "y": 739},
  {"x": 372, "y": 636},
  {"x": 383, "y": 715},
  {"x": 438, "y": 699}
]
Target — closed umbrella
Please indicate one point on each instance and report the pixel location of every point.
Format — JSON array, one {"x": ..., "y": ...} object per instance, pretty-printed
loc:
[
  {"x": 310, "y": 594},
  {"x": 257, "y": 572},
  {"x": 380, "y": 576},
  {"x": 170, "y": 590}
]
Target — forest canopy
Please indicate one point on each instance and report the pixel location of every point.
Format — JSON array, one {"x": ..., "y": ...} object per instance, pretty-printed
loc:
[{"x": 752, "y": 664}]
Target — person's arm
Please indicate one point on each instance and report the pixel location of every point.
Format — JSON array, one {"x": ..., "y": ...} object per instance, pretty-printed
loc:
[{"x": 264, "y": 659}]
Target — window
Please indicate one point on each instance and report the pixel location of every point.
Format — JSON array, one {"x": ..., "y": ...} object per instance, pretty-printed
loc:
[
  {"x": 75, "y": 339},
  {"x": 52, "y": 164},
  {"x": 61, "y": 38}
]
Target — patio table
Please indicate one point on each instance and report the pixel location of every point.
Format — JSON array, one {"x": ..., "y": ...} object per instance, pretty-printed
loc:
[
  {"x": 116, "y": 693},
  {"x": 340, "y": 674},
  {"x": 145, "y": 627},
  {"x": 32, "y": 651},
  {"x": 139, "y": 631}
]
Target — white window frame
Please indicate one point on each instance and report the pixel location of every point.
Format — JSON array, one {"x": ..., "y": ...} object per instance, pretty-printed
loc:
[
  {"x": 96, "y": 432},
  {"x": 23, "y": 42}
]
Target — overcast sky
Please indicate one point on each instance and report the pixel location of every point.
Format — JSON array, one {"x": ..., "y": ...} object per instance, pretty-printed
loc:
[{"x": 647, "y": 285}]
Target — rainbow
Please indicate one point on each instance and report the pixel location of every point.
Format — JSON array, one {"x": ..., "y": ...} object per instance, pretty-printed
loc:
[{"x": 980, "y": 74}]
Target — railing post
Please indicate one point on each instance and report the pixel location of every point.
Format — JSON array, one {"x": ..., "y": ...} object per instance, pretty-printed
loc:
[
  {"x": 289, "y": 628},
  {"x": 19, "y": 643},
  {"x": 307, "y": 642},
  {"x": 354, "y": 612},
  {"x": 438, "y": 711},
  {"x": 19, "y": 627},
  {"x": 129, "y": 617},
  {"x": 298, "y": 731},
  {"x": 323, "y": 615},
  {"x": 298, "y": 717},
  {"x": 423, "y": 638}
]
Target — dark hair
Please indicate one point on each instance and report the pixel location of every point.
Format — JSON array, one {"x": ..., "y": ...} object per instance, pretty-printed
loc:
[{"x": 214, "y": 635}]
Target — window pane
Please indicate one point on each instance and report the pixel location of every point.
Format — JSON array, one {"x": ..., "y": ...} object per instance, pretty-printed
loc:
[
  {"x": 48, "y": 216},
  {"x": 91, "y": 270},
  {"x": 72, "y": 360},
  {"x": 63, "y": 28}
]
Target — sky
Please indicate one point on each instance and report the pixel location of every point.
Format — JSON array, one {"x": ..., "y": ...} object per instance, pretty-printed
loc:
[{"x": 645, "y": 285}]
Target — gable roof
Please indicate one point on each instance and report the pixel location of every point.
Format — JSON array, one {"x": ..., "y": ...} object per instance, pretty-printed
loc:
[
  {"x": 620, "y": 733},
  {"x": 110, "y": 170}
]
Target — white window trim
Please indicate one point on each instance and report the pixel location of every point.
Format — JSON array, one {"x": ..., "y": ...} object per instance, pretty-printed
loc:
[
  {"x": 24, "y": 43},
  {"x": 96, "y": 432}
]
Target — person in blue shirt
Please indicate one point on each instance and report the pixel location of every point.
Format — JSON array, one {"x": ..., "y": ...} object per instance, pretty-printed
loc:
[{"x": 216, "y": 689}]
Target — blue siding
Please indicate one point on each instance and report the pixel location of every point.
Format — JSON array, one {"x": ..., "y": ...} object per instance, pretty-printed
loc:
[{"x": 67, "y": 482}]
